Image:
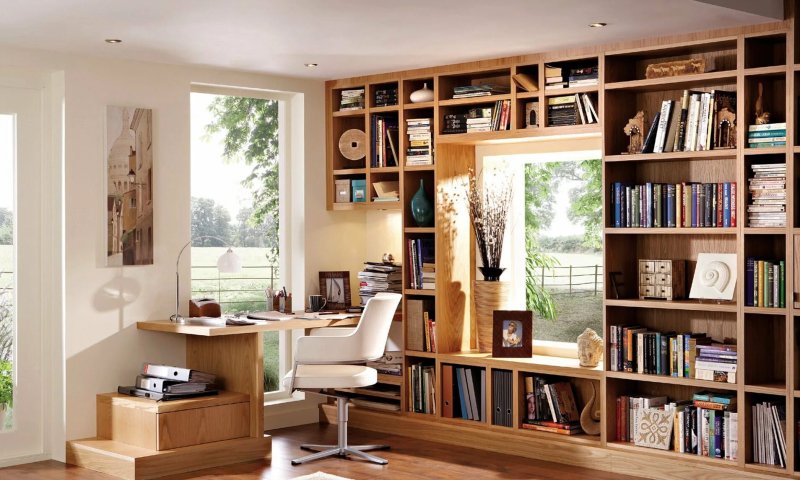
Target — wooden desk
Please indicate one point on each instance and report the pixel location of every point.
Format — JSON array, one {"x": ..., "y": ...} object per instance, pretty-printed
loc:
[{"x": 235, "y": 354}]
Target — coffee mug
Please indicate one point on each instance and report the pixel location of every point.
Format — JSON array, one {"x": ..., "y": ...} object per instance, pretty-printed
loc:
[{"x": 317, "y": 302}]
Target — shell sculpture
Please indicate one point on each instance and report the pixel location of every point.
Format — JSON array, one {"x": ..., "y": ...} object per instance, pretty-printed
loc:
[
  {"x": 590, "y": 348},
  {"x": 590, "y": 416},
  {"x": 716, "y": 275}
]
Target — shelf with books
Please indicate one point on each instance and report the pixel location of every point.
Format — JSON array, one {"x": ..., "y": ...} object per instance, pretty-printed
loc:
[
  {"x": 526, "y": 81},
  {"x": 421, "y": 387},
  {"x": 481, "y": 115},
  {"x": 473, "y": 100},
  {"x": 349, "y": 99},
  {"x": 764, "y": 279},
  {"x": 463, "y": 390},
  {"x": 384, "y": 140},
  {"x": 417, "y": 132},
  {"x": 528, "y": 112},
  {"x": 689, "y": 81},
  {"x": 765, "y": 50},
  {"x": 765, "y": 339},
  {"x": 472, "y": 85},
  {"x": 384, "y": 96},
  {"x": 720, "y": 154},
  {"x": 771, "y": 89},
  {"x": 577, "y": 74},
  {"x": 671, "y": 231},
  {"x": 571, "y": 108},
  {"x": 698, "y": 415},
  {"x": 549, "y": 403},
  {"x": 765, "y": 426},
  {"x": 674, "y": 120},
  {"x": 718, "y": 55}
]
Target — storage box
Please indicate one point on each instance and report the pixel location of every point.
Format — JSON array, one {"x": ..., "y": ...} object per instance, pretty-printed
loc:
[
  {"x": 662, "y": 279},
  {"x": 359, "y": 187},
  {"x": 342, "y": 191}
]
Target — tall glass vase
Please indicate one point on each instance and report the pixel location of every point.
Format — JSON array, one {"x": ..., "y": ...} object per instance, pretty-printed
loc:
[{"x": 421, "y": 207}]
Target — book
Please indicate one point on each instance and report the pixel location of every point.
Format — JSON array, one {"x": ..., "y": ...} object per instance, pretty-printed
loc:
[
  {"x": 650, "y": 138},
  {"x": 525, "y": 82}
]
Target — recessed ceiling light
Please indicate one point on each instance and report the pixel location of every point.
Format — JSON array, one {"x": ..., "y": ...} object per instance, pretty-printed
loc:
[
  {"x": 312, "y": 65},
  {"x": 113, "y": 40},
  {"x": 598, "y": 24}
]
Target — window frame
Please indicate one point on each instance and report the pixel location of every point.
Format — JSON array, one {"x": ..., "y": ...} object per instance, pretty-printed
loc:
[{"x": 291, "y": 234}]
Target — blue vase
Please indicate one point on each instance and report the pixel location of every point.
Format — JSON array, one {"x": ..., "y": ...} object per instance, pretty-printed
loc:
[{"x": 421, "y": 207}]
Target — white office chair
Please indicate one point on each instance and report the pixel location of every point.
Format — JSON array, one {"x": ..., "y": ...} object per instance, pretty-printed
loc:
[{"x": 329, "y": 359}]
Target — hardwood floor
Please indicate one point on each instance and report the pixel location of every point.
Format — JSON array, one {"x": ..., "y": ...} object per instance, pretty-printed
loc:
[{"x": 408, "y": 459}]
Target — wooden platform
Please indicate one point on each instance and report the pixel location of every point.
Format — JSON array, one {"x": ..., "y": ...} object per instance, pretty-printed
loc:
[{"x": 134, "y": 463}]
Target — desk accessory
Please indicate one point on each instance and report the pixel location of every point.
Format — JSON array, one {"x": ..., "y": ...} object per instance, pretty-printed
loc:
[
  {"x": 512, "y": 335},
  {"x": 228, "y": 262},
  {"x": 204, "y": 307},
  {"x": 140, "y": 392},
  {"x": 316, "y": 302},
  {"x": 335, "y": 287}
]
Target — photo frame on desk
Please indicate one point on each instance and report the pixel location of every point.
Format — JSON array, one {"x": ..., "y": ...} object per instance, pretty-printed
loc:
[{"x": 335, "y": 287}]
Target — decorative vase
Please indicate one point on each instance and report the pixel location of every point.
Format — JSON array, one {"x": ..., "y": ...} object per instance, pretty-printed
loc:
[
  {"x": 491, "y": 274},
  {"x": 590, "y": 416},
  {"x": 421, "y": 207},
  {"x": 489, "y": 296},
  {"x": 424, "y": 94}
]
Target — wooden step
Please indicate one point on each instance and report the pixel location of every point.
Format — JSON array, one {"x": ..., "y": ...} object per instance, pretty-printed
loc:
[{"x": 135, "y": 463}]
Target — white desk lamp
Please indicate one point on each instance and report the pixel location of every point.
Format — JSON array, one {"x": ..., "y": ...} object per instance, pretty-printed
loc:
[{"x": 228, "y": 262}]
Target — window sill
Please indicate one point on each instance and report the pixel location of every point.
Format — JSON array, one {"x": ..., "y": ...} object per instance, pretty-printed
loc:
[{"x": 555, "y": 349}]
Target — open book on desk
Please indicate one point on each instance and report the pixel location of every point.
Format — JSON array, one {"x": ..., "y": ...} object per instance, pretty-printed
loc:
[{"x": 326, "y": 315}]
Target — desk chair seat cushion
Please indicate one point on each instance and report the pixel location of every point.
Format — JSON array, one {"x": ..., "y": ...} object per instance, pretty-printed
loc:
[{"x": 331, "y": 376}]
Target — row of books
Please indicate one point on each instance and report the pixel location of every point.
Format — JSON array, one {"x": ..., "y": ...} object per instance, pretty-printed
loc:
[
  {"x": 551, "y": 406},
  {"x": 378, "y": 277},
  {"x": 764, "y": 283},
  {"x": 164, "y": 382},
  {"x": 352, "y": 99},
  {"x": 569, "y": 76},
  {"x": 384, "y": 132},
  {"x": 486, "y": 89},
  {"x": 690, "y": 125},
  {"x": 766, "y": 135},
  {"x": 666, "y": 205},
  {"x": 767, "y": 188},
  {"x": 423, "y": 388},
  {"x": 385, "y": 96},
  {"x": 420, "y": 327},
  {"x": 635, "y": 349},
  {"x": 420, "y": 142},
  {"x": 483, "y": 119},
  {"x": 705, "y": 426},
  {"x": 464, "y": 392},
  {"x": 769, "y": 434},
  {"x": 421, "y": 263}
]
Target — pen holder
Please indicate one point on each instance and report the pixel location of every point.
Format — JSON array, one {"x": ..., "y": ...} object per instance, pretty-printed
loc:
[{"x": 282, "y": 304}]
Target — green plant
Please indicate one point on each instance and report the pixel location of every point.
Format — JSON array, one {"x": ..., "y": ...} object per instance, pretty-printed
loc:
[
  {"x": 537, "y": 298},
  {"x": 6, "y": 385}
]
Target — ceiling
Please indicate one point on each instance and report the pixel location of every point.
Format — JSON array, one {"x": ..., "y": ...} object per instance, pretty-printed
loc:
[{"x": 346, "y": 37}]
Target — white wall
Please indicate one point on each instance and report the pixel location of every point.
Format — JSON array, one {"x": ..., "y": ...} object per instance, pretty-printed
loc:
[{"x": 102, "y": 347}]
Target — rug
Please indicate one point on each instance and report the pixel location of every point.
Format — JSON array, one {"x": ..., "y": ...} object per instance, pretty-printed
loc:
[{"x": 320, "y": 476}]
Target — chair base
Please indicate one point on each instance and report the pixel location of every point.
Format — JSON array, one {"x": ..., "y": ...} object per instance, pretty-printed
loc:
[
  {"x": 335, "y": 450},
  {"x": 341, "y": 449}
]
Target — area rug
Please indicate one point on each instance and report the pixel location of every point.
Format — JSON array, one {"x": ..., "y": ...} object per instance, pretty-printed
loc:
[{"x": 320, "y": 476}]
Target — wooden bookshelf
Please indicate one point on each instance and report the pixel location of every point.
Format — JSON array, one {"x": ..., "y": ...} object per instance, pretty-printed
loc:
[{"x": 737, "y": 59}]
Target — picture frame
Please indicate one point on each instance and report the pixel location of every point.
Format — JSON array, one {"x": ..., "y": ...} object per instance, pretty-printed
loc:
[
  {"x": 335, "y": 287},
  {"x": 512, "y": 333}
]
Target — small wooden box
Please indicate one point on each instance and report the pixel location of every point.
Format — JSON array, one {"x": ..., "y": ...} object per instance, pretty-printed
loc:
[
  {"x": 359, "y": 190},
  {"x": 342, "y": 191},
  {"x": 178, "y": 423},
  {"x": 662, "y": 279}
]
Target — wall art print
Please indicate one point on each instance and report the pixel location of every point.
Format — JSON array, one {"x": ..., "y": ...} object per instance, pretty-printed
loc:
[{"x": 129, "y": 186}]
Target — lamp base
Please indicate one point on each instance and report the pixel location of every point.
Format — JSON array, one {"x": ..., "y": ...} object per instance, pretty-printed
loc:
[{"x": 178, "y": 318}]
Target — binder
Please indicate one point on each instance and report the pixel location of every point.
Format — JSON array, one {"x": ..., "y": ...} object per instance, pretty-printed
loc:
[
  {"x": 496, "y": 394},
  {"x": 139, "y": 392},
  {"x": 473, "y": 401},
  {"x": 177, "y": 373},
  {"x": 462, "y": 392},
  {"x": 447, "y": 391},
  {"x": 482, "y": 407},
  {"x": 162, "y": 385}
]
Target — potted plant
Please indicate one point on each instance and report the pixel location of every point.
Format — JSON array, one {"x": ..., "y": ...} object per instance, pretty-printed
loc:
[
  {"x": 6, "y": 390},
  {"x": 489, "y": 205}
]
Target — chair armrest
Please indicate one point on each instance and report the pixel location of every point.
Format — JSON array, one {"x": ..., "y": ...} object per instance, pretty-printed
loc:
[
  {"x": 325, "y": 350},
  {"x": 332, "y": 331}
]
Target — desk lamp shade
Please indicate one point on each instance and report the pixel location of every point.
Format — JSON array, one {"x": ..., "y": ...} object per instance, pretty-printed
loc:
[{"x": 229, "y": 262}]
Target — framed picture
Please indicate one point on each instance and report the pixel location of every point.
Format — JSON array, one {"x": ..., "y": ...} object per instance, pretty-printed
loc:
[
  {"x": 129, "y": 186},
  {"x": 512, "y": 333},
  {"x": 335, "y": 287}
]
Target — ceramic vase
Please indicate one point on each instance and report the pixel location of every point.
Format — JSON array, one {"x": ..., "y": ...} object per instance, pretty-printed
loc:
[
  {"x": 421, "y": 207},
  {"x": 424, "y": 94}
]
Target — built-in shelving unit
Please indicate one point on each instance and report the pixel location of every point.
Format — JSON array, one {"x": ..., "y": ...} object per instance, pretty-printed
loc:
[{"x": 737, "y": 61}]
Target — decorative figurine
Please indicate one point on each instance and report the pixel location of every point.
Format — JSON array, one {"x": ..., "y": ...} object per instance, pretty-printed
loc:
[
  {"x": 387, "y": 258},
  {"x": 726, "y": 128},
  {"x": 635, "y": 132},
  {"x": 590, "y": 348},
  {"x": 762, "y": 117},
  {"x": 590, "y": 416}
]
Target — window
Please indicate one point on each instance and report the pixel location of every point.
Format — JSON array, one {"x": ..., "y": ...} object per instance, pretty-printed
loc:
[
  {"x": 237, "y": 155},
  {"x": 554, "y": 249}
]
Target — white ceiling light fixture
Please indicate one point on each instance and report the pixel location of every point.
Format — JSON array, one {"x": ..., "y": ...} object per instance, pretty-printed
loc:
[
  {"x": 113, "y": 41},
  {"x": 598, "y": 24},
  {"x": 311, "y": 65}
]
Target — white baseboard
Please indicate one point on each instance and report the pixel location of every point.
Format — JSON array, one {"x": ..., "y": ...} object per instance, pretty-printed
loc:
[{"x": 10, "y": 462}]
